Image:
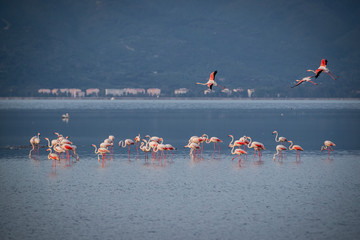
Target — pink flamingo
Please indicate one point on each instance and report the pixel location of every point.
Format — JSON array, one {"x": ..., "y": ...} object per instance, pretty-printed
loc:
[
  {"x": 328, "y": 146},
  {"x": 323, "y": 68},
  {"x": 258, "y": 147},
  {"x": 35, "y": 142},
  {"x": 170, "y": 148},
  {"x": 297, "y": 148},
  {"x": 239, "y": 152},
  {"x": 137, "y": 142},
  {"x": 279, "y": 149},
  {"x": 101, "y": 151},
  {"x": 193, "y": 147},
  {"x": 126, "y": 142},
  {"x": 54, "y": 157},
  {"x": 280, "y": 139},
  {"x": 214, "y": 140},
  {"x": 146, "y": 149},
  {"x": 305, "y": 79}
]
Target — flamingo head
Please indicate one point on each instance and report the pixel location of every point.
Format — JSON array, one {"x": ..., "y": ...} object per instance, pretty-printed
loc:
[
  {"x": 46, "y": 138},
  {"x": 274, "y": 132}
]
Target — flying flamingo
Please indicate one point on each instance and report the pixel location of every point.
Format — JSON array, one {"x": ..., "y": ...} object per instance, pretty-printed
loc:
[
  {"x": 101, "y": 151},
  {"x": 323, "y": 68},
  {"x": 328, "y": 146},
  {"x": 54, "y": 157},
  {"x": 297, "y": 148},
  {"x": 214, "y": 140},
  {"x": 279, "y": 149},
  {"x": 280, "y": 139},
  {"x": 211, "y": 82},
  {"x": 258, "y": 146},
  {"x": 239, "y": 152},
  {"x": 305, "y": 79},
  {"x": 126, "y": 142},
  {"x": 35, "y": 141}
]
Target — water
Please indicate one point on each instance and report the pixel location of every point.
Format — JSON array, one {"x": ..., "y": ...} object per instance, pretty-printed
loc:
[{"x": 212, "y": 198}]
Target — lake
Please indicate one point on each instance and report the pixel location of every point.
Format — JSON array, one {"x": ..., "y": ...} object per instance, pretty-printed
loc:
[{"x": 210, "y": 197}]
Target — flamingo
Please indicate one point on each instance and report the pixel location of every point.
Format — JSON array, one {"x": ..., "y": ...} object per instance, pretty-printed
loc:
[
  {"x": 170, "y": 148},
  {"x": 160, "y": 147},
  {"x": 279, "y": 149},
  {"x": 155, "y": 139},
  {"x": 237, "y": 143},
  {"x": 258, "y": 146},
  {"x": 214, "y": 140},
  {"x": 152, "y": 145},
  {"x": 35, "y": 141},
  {"x": 328, "y": 146},
  {"x": 305, "y": 79},
  {"x": 145, "y": 148},
  {"x": 297, "y": 148},
  {"x": 280, "y": 139},
  {"x": 53, "y": 156},
  {"x": 192, "y": 146},
  {"x": 54, "y": 142},
  {"x": 137, "y": 142},
  {"x": 126, "y": 142},
  {"x": 70, "y": 147},
  {"x": 100, "y": 151},
  {"x": 210, "y": 83},
  {"x": 239, "y": 152},
  {"x": 323, "y": 68}
]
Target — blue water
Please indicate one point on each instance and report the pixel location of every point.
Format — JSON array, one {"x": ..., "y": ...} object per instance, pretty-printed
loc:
[{"x": 182, "y": 198}]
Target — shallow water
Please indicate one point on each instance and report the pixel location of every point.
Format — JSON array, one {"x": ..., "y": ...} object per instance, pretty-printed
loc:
[{"x": 181, "y": 198}]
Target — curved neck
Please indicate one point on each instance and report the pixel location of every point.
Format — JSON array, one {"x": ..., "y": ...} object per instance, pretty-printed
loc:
[
  {"x": 48, "y": 142},
  {"x": 249, "y": 144},
  {"x": 290, "y": 147},
  {"x": 276, "y": 135},
  {"x": 95, "y": 148},
  {"x": 232, "y": 139}
]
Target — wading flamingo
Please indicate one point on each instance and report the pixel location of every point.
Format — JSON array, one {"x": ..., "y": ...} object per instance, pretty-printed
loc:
[
  {"x": 297, "y": 148},
  {"x": 193, "y": 147},
  {"x": 328, "y": 146},
  {"x": 35, "y": 142},
  {"x": 236, "y": 143},
  {"x": 170, "y": 148},
  {"x": 137, "y": 142},
  {"x": 305, "y": 79},
  {"x": 54, "y": 142},
  {"x": 146, "y": 149},
  {"x": 126, "y": 142},
  {"x": 54, "y": 157},
  {"x": 101, "y": 151},
  {"x": 258, "y": 147},
  {"x": 279, "y": 149},
  {"x": 239, "y": 152},
  {"x": 280, "y": 139},
  {"x": 214, "y": 140},
  {"x": 323, "y": 68}
]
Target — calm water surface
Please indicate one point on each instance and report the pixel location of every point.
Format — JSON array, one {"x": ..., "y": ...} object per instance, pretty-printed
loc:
[{"x": 182, "y": 198}]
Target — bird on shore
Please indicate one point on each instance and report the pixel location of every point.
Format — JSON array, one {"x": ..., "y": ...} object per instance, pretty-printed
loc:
[{"x": 279, "y": 149}]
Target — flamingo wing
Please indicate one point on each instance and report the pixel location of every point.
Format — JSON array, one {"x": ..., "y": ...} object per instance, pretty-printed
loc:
[
  {"x": 212, "y": 75},
  {"x": 299, "y": 82}
]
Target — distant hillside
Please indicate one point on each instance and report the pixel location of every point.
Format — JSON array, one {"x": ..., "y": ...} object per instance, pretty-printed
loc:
[{"x": 264, "y": 45}]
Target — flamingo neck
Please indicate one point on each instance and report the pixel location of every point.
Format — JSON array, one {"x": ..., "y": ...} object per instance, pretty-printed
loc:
[
  {"x": 276, "y": 135},
  {"x": 232, "y": 139},
  {"x": 290, "y": 147}
]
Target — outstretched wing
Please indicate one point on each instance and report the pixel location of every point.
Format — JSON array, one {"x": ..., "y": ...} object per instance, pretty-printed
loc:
[
  {"x": 299, "y": 82},
  {"x": 212, "y": 75}
]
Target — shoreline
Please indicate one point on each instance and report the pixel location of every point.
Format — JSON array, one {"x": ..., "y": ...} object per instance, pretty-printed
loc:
[{"x": 171, "y": 98}]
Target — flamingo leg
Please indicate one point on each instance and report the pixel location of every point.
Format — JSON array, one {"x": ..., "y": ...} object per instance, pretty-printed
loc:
[
  {"x": 239, "y": 160},
  {"x": 219, "y": 148}
]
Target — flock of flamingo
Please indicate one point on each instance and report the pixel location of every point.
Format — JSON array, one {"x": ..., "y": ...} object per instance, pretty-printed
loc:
[
  {"x": 156, "y": 144},
  {"x": 322, "y": 68},
  {"x": 195, "y": 144}
]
